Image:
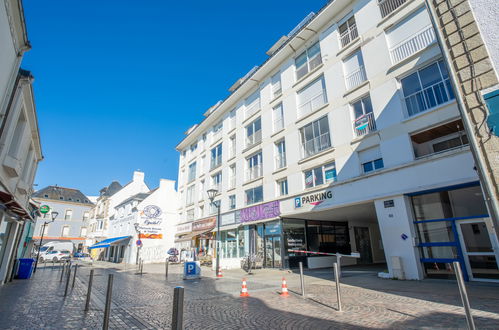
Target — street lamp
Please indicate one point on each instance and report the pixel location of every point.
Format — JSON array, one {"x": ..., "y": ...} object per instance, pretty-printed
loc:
[
  {"x": 136, "y": 225},
  {"x": 54, "y": 216},
  {"x": 212, "y": 193}
]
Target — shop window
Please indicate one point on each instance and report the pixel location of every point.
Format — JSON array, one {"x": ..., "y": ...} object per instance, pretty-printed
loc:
[
  {"x": 438, "y": 139},
  {"x": 330, "y": 237},
  {"x": 295, "y": 239}
]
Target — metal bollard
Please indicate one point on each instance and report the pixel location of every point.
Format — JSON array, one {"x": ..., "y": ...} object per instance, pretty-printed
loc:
[
  {"x": 53, "y": 264},
  {"x": 74, "y": 277},
  {"x": 337, "y": 278},
  {"x": 67, "y": 282},
  {"x": 464, "y": 295},
  {"x": 89, "y": 291},
  {"x": 107, "y": 310},
  {"x": 178, "y": 308},
  {"x": 166, "y": 267},
  {"x": 62, "y": 271},
  {"x": 141, "y": 266},
  {"x": 302, "y": 280}
]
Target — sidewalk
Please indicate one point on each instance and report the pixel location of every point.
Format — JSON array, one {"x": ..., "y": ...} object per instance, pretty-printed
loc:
[{"x": 145, "y": 302}]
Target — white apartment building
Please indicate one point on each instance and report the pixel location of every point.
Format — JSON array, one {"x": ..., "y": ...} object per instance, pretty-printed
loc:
[{"x": 346, "y": 139}]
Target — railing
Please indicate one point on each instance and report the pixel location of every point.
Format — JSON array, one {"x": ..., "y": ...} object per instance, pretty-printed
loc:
[
  {"x": 280, "y": 161},
  {"x": 349, "y": 35},
  {"x": 254, "y": 138},
  {"x": 314, "y": 103},
  {"x": 215, "y": 162},
  {"x": 356, "y": 78},
  {"x": 278, "y": 124},
  {"x": 387, "y": 6},
  {"x": 364, "y": 124},
  {"x": 412, "y": 45},
  {"x": 276, "y": 90},
  {"x": 428, "y": 98},
  {"x": 316, "y": 145},
  {"x": 253, "y": 108},
  {"x": 232, "y": 182},
  {"x": 254, "y": 172}
]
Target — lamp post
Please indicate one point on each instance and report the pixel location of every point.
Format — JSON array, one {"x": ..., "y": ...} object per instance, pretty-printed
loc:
[
  {"x": 136, "y": 225},
  {"x": 211, "y": 195},
  {"x": 54, "y": 216}
]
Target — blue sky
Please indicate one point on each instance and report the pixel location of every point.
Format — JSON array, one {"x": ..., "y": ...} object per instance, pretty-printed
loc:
[{"x": 118, "y": 82}]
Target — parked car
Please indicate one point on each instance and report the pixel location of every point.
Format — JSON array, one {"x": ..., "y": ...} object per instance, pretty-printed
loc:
[
  {"x": 57, "y": 246},
  {"x": 82, "y": 256},
  {"x": 55, "y": 256}
]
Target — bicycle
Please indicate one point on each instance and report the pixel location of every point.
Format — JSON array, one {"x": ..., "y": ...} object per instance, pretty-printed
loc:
[{"x": 250, "y": 262}]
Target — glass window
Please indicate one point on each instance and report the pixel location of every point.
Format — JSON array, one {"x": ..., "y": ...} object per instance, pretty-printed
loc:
[
  {"x": 278, "y": 114},
  {"x": 281, "y": 154},
  {"x": 311, "y": 97},
  {"x": 65, "y": 231},
  {"x": 283, "y": 187},
  {"x": 315, "y": 137},
  {"x": 276, "y": 85},
  {"x": 320, "y": 175},
  {"x": 438, "y": 231},
  {"x": 192, "y": 172},
  {"x": 216, "y": 156},
  {"x": 330, "y": 172},
  {"x": 308, "y": 60},
  {"x": 68, "y": 214},
  {"x": 254, "y": 132},
  {"x": 232, "y": 202},
  {"x": 254, "y": 195}
]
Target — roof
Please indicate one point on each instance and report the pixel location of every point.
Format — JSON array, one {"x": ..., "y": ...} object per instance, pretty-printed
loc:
[
  {"x": 57, "y": 193},
  {"x": 110, "y": 190},
  {"x": 136, "y": 197}
]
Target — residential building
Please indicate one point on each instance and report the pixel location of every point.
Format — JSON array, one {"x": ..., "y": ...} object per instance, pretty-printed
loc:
[
  {"x": 382, "y": 167},
  {"x": 71, "y": 223},
  {"x": 20, "y": 148}
]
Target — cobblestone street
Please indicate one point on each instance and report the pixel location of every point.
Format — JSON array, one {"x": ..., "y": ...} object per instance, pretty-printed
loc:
[{"x": 145, "y": 301}]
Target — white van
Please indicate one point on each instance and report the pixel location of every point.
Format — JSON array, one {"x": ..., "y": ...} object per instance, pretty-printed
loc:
[{"x": 57, "y": 246}]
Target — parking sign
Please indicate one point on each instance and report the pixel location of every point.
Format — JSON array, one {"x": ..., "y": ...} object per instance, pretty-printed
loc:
[{"x": 192, "y": 270}]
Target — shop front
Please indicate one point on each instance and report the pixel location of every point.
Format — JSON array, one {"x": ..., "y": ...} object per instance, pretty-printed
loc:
[
  {"x": 203, "y": 238},
  {"x": 183, "y": 236}
]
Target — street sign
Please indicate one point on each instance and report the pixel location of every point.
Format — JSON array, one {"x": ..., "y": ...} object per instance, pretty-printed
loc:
[
  {"x": 192, "y": 270},
  {"x": 44, "y": 209},
  {"x": 139, "y": 242}
]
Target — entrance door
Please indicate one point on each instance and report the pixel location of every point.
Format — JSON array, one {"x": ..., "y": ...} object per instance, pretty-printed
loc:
[
  {"x": 273, "y": 252},
  {"x": 480, "y": 249},
  {"x": 363, "y": 243}
]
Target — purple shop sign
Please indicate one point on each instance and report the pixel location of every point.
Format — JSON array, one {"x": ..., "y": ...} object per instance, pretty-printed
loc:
[{"x": 260, "y": 212}]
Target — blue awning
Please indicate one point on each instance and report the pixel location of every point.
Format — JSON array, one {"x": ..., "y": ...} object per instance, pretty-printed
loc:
[{"x": 107, "y": 242}]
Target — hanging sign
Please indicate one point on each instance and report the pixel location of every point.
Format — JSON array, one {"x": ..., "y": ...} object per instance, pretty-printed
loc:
[{"x": 44, "y": 209}]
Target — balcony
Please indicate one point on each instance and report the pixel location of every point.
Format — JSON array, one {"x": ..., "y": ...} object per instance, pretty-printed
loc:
[
  {"x": 316, "y": 145},
  {"x": 314, "y": 103},
  {"x": 280, "y": 161},
  {"x": 349, "y": 35},
  {"x": 254, "y": 138},
  {"x": 355, "y": 78},
  {"x": 429, "y": 97},
  {"x": 216, "y": 162},
  {"x": 387, "y": 6},
  {"x": 412, "y": 45},
  {"x": 254, "y": 172},
  {"x": 365, "y": 124}
]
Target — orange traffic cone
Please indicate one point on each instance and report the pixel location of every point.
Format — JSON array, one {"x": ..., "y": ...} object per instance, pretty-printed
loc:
[
  {"x": 219, "y": 273},
  {"x": 244, "y": 289},
  {"x": 284, "y": 288}
]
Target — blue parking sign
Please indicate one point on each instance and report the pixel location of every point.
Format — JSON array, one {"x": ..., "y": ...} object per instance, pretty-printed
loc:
[{"x": 192, "y": 270}]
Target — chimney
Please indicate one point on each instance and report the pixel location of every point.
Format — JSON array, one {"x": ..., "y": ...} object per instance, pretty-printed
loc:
[
  {"x": 165, "y": 184},
  {"x": 138, "y": 176}
]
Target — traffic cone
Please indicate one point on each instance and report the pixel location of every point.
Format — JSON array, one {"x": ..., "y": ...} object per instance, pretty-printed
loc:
[
  {"x": 219, "y": 273},
  {"x": 284, "y": 288},
  {"x": 244, "y": 289}
]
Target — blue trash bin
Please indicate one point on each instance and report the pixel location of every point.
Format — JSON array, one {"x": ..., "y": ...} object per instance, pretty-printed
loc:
[{"x": 25, "y": 268}]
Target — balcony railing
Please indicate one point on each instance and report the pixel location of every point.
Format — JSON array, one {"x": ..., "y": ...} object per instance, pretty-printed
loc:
[
  {"x": 313, "y": 104},
  {"x": 364, "y": 124},
  {"x": 232, "y": 182},
  {"x": 278, "y": 124},
  {"x": 252, "y": 108},
  {"x": 280, "y": 161},
  {"x": 349, "y": 35},
  {"x": 316, "y": 145},
  {"x": 413, "y": 44},
  {"x": 355, "y": 78},
  {"x": 254, "y": 138},
  {"x": 429, "y": 97},
  {"x": 215, "y": 162},
  {"x": 254, "y": 172},
  {"x": 387, "y": 6}
]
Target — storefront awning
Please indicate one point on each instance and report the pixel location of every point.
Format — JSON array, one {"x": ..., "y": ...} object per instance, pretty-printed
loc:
[
  {"x": 191, "y": 236},
  {"x": 107, "y": 242}
]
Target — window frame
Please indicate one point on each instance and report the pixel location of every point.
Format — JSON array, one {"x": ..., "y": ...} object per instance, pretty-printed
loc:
[{"x": 308, "y": 60}]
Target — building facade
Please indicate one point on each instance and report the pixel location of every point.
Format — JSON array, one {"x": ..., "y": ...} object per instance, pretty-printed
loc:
[{"x": 346, "y": 139}]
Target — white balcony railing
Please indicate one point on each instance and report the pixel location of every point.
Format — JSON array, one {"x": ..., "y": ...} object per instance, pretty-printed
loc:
[
  {"x": 413, "y": 44},
  {"x": 349, "y": 35},
  {"x": 313, "y": 104},
  {"x": 316, "y": 145},
  {"x": 254, "y": 172},
  {"x": 215, "y": 162},
  {"x": 387, "y": 6},
  {"x": 254, "y": 138},
  {"x": 364, "y": 124},
  {"x": 280, "y": 161},
  {"x": 355, "y": 78},
  {"x": 253, "y": 108},
  {"x": 278, "y": 124},
  {"x": 429, "y": 97}
]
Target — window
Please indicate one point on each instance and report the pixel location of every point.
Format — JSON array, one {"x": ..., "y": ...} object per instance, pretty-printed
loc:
[
  {"x": 189, "y": 196},
  {"x": 232, "y": 176},
  {"x": 315, "y": 137},
  {"x": 354, "y": 70},
  {"x": 194, "y": 146},
  {"x": 86, "y": 215},
  {"x": 15, "y": 144},
  {"x": 427, "y": 88},
  {"x": 278, "y": 116},
  {"x": 232, "y": 146},
  {"x": 254, "y": 195},
  {"x": 217, "y": 131},
  {"x": 364, "y": 122},
  {"x": 348, "y": 31},
  {"x": 204, "y": 137},
  {"x": 276, "y": 85},
  {"x": 254, "y": 132},
  {"x": 320, "y": 175},
  {"x": 282, "y": 186},
  {"x": 312, "y": 97},
  {"x": 83, "y": 232},
  {"x": 190, "y": 215},
  {"x": 371, "y": 159},
  {"x": 232, "y": 119},
  {"x": 192, "y": 172},
  {"x": 252, "y": 104},
  {"x": 213, "y": 207},
  {"x": 308, "y": 60},
  {"x": 216, "y": 181},
  {"x": 280, "y": 160},
  {"x": 43, "y": 232},
  {"x": 201, "y": 190},
  {"x": 216, "y": 156},
  {"x": 65, "y": 231},
  {"x": 202, "y": 163},
  {"x": 387, "y": 6},
  {"x": 68, "y": 214},
  {"x": 255, "y": 168},
  {"x": 438, "y": 139},
  {"x": 232, "y": 202}
]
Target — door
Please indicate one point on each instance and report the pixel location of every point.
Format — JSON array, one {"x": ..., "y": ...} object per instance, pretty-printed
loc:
[
  {"x": 363, "y": 243},
  {"x": 273, "y": 252},
  {"x": 480, "y": 249}
]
